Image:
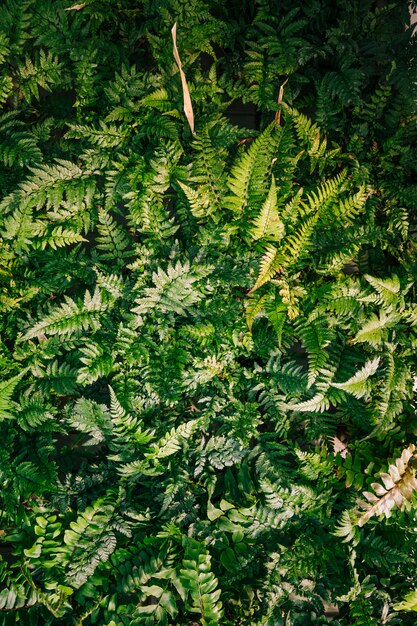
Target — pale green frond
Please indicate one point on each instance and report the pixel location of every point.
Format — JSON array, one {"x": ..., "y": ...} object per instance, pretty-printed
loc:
[
  {"x": 349, "y": 208},
  {"x": 409, "y": 602},
  {"x": 57, "y": 237},
  {"x": 388, "y": 289},
  {"x": 88, "y": 542},
  {"x": 374, "y": 331},
  {"x": 324, "y": 196},
  {"x": 317, "y": 404},
  {"x": 176, "y": 290},
  {"x": 298, "y": 243},
  {"x": 347, "y": 527},
  {"x": 198, "y": 199},
  {"x": 358, "y": 385},
  {"x": 255, "y": 306},
  {"x": 270, "y": 264}
]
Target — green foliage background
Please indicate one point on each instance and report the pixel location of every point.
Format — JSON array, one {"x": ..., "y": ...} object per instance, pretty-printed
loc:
[{"x": 208, "y": 371}]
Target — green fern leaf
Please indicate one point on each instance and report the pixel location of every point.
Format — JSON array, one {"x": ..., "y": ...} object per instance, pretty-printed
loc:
[
  {"x": 241, "y": 174},
  {"x": 98, "y": 363},
  {"x": 176, "y": 290},
  {"x": 71, "y": 318},
  {"x": 388, "y": 289},
  {"x": 90, "y": 541},
  {"x": 7, "y": 388}
]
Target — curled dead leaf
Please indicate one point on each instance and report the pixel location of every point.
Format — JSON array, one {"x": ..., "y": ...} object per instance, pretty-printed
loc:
[{"x": 188, "y": 107}]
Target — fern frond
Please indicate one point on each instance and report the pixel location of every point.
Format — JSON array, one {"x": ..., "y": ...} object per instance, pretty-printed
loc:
[
  {"x": 242, "y": 172},
  {"x": 200, "y": 583},
  {"x": 17, "y": 145},
  {"x": 49, "y": 184},
  {"x": 299, "y": 242},
  {"x": 325, "y": 196},
  {"x": 128, "y": 429},
  {"x": 348, "y": 527},
  {"x": 255, "y": 307},
  {"x": 90, "y": 541},
  {"x": 18, "y": 590},
  {"x": 348, "y": 209},
  {"x": 19, "y": 225},
  {"x": 170, "y": 444},
  {"x": 268, "y": 225},
  {"x": 358, "y": 385},
  {"x": 113, "y": 240},
  {"x": 59, "y": 378},
  {"x": 208, "y": 172},
  {"x": 98, "y": 363},
  {"x": 71, "y": 318},
  {"x": 199, "y": 201},
  {"x": 57, "y": 237},
  {"x": 147, "y": 201},
  {"x": 315, "y": 337},
  {"x": 177, "y": 290},
  {"x": 388, "y": 289},
  {"x": 409, "y": 602},
  {"x": 270, "y": 264},
  {"x": 7, "y": 388},
  {"x": 91, "y": 418},
  {"x": 317, "y": 404},
  {"x": 374, "y": 331},
  {"x": 33, "y": 413}
]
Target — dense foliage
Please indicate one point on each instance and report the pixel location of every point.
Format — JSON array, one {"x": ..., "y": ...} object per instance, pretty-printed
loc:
[{"x": 208, "y": 339}]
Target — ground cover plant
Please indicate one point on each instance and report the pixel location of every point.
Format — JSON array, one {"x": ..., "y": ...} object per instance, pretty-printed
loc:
[{"x": 207, "y": 331}]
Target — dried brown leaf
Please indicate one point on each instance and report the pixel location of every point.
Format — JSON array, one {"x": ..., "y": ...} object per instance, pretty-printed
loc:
[
  {"x": 188, "y": 107},
  {"x": 379, "y": 489},
  {"x": 394, "y": 473},
  {"x": 339, "y": 447},
  {"x": 387, "y": 480},
  {"x": 76, "y": 7},
  {"x": 280, "y": 97},
  {"x": 400, "y": 485}
]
